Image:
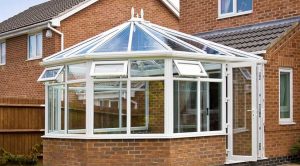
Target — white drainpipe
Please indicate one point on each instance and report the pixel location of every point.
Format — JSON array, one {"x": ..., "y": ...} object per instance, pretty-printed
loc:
[{"x": 60, "y": 33}]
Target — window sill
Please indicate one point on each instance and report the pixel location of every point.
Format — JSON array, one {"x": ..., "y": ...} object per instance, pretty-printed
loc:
[
  {"x": 286, "y": 123},
  {"x": 2, "y": 64},
  {"x": 36, "y": 58},
  {"x": 233, "y": 15}
]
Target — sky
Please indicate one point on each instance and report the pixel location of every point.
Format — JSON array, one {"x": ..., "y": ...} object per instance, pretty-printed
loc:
[{"x": 9, "y": 8}]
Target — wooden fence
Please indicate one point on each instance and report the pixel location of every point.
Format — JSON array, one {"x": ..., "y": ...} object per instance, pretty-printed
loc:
[{"x": 21, "y": 124}]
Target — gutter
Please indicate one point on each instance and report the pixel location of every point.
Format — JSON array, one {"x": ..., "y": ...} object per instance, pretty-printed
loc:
[
  {"x": 21, "y": 31},
  {"x": 61, "y": 35}
]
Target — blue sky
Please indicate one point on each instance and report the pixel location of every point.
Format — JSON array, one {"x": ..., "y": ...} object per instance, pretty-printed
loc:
[{"x": 9, "y": 8}]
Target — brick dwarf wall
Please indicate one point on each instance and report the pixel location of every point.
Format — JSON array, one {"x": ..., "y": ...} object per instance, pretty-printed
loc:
[
  {"x": 285, "y": 53},
  {"x": 201, "y": 15},
  {"x": 181, "y": 152}
]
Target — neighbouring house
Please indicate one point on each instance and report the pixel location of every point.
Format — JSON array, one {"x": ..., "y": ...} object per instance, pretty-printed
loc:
[{"x": 127, "y": 91}]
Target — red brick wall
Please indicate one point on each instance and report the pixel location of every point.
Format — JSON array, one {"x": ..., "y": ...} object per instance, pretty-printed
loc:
[
  {"x": 106, "y": 14},
  {"x": 286, "y": 53},
  {"x": 19, "y": 76},
  {"x": 201, "y": 15},
  {"x": 181, "y": 152}
]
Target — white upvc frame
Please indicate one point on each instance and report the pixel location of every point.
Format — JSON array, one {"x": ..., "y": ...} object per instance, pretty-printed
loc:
[
  {"x": 284, "y": 121},
  {"x": 168, "y": 114},
  {"x": 3, "y": 47},
  {"x": 36, "y": 56},
  {"x": 109, "y": 74},
  {"x": 234, "y": 11},
  {"x": 240, "y": 158},
  {"x": 59, "y": 68},
  {"x": 182, "y": 72}
]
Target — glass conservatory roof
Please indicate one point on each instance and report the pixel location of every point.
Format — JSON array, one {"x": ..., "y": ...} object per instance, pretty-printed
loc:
[{"x": 138, "y": 35}]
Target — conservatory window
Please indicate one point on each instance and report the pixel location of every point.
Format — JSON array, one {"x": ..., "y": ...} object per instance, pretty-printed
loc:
[
  {"x": 2, "y": 53},
  {"x": 110, "y": 107},
  {"x": 51, "y": 74},
  {"x": 229, "y": 8},
  {"x": 211, "y": 106},
  {"x": 35, "y": 46},
  {"x": 185, "y": 106},
  {"x": 147, "y": 107},
  {"x": 76, "y": 71},
  {"x": 76, "y": 108},
  {"x": 145, "y": 68},
  {"x": 286, "y": 96},
  {"x": 56, "y": 105},
  {"x": 190, "y": 68},
  {"x": 109, "y": 69}
]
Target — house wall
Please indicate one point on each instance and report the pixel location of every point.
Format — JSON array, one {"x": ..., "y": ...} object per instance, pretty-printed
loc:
[
  {"x": 106, "y": 14},
  {"x": 202, "y": 15},
  {"x": 181, "y": 152},
  {"x": 285, "y": 53}
]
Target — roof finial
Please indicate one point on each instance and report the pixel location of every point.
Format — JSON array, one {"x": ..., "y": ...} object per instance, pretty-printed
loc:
[
  {"x": 132, "y": 12},
  {"x": 142, "y": 13}
]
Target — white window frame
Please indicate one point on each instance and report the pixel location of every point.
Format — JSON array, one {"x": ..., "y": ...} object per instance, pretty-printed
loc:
[
  {"x": 184, "y": 73},
  {"x": 234, "y": 13},
  {"x": 28, "y": 46},
  {"x": 3, "y": 62},
  {"x": 284, "y": 121},
  {"x": 41, "y": 79},
  {"x": 109, "y": 74}
]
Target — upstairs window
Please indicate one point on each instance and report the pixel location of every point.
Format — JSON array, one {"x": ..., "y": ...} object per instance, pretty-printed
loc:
[
  {"x": 2, "y": 53},
  {"x": 35, "y": 46},
  {"x": 229, "y": 8},
  {"x": 286, "y": 95}
]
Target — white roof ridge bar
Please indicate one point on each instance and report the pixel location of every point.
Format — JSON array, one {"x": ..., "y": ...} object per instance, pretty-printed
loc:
[{"x": 130, "y": 36}]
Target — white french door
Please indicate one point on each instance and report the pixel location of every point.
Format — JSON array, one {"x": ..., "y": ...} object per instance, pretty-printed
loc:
[{"x": 242, "y": 112}]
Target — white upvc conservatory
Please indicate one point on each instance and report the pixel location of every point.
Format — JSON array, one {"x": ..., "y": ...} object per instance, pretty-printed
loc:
[{"x": 140, "y": 80}]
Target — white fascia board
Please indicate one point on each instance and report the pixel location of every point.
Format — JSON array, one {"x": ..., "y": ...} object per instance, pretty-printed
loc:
[
  {"x": 172, "y": 7},
  {"x": 56, "y": 21},
  {"x": 24, "y": 30},
  {"x": 259, "y": 52}
]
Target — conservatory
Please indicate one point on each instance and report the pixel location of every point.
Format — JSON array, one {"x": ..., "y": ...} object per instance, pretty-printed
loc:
[{"x": 140, "y": 80}]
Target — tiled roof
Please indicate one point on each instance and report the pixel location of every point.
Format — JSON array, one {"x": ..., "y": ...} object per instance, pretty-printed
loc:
[
  {"x": 251, "y": 38},
  {"x": 37, "y": 14}
]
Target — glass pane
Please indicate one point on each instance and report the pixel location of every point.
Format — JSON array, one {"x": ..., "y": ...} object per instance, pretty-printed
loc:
[
  {"x": 32, "y": 46},
  {"x": 144, "y": 68},
  {"x": 76, "y": 108},
  {"x": 185, "y": 106},
  {"x": 141, "y": 41},
  {"x": 77, "y": 71},
  {"x": 244, "y": 5},
  {"x": 242, "y": 113},
  {"x": 170, "y": 42},
  {"x": 3, "y": 53},
  {"x": 226, "y": 6},
  {"x": 56, "y": 111},
  {"x": 147, "y": 107},
  {"x": 284, "y": 95},
  {"x": 39, "y": 45},
  {"x": 50, "y": 73},
  {"x": 213, "y": 70},
  {"x": 118, "y": 43},
  {"x": 205, "y": 48},
  {"x": 110, "y": 107},
  {"x": 211, "y": 106}
]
